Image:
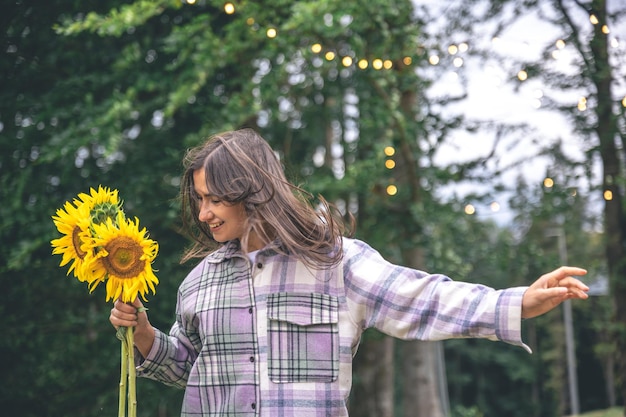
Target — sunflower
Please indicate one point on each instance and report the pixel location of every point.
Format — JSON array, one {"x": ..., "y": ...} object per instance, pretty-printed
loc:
[
  {"x": 73, "y": 221},
  {"x": 103, "y": 204},
  {"x": 124, "y": 257}
]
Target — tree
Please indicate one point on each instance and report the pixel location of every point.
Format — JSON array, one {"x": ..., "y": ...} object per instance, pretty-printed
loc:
[
  {"x": 125, "y": 87},
  {"x": 585, "y": 87}
]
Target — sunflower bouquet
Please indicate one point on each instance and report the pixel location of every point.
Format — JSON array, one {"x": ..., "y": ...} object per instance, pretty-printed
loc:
[{"x": 105, "y": 246}]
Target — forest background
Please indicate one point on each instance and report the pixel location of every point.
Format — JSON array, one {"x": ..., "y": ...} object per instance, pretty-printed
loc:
[{"x": 113, "y": 93}]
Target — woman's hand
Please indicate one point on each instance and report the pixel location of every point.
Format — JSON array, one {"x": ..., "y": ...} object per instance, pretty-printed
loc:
[
  {"x": 552, "y": 289},
  {"x": 134, "y": 315}
]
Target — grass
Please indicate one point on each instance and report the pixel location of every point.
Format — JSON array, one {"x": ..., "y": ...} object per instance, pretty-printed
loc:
[{"x": 609, "y": 412}]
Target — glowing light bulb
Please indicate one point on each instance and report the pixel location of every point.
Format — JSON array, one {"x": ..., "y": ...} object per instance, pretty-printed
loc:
[
  {"x": 470, "y": 209},
  {"x": 548, "y": 182},
  {"x": 608, "y": 195},
  {"x": 390, "y": 151},
  {"x": 229, "y": 8},
  {"x": 272, "y": 33},
  {"x": 346, "y": 61},
  {"x": 390, "y": 164},
  {"x": 433, "y": 60},
  {"x": 316, "y": 48},
  {"x": 522, "y": 75},
  {"x": 593, "y": 19},
  {"x": 377, "y": 64},
  {"x": 363, "y": 63},
  {"x": 330, "y": 55},
  {"x": 392, "y": 190}
]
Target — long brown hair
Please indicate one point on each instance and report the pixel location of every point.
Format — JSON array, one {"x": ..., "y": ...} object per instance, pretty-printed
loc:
[{"x": 241, "y": 167}]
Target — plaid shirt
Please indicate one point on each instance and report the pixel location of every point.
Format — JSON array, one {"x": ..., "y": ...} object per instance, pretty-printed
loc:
[{"x": 275, "y": 338}]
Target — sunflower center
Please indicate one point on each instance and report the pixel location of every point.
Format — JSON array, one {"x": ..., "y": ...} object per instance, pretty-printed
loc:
[
  {"x": 124, "y": 259},
  {"x": 76, "y": 241}
]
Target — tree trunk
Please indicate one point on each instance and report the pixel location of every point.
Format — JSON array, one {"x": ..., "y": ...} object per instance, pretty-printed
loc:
[
  {"x": 614, "y": 216},
  {"x": 420, "y": 379},
  {"x": 373, "y": 386}
]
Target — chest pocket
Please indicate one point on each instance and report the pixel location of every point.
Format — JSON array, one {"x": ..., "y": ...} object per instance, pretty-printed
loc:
[{"x": 303, "y": 335}]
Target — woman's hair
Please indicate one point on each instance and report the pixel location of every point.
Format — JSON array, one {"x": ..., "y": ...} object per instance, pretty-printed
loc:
[{"x": 241, "y": 167}]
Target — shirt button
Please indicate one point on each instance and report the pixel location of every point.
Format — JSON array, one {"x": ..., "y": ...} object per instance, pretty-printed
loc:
[
  {"x": 250, "y": 310},
  {"x": 251, "y": 358},
  {"x": 259, "y": 265},
  {"x": 253, "y": 406}
]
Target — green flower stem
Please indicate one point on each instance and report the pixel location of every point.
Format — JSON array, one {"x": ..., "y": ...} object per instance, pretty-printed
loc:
[
  {"x": 121, "y": 334},
  {"x": 132, "y": 394},
  {"x": 128, "y": 373}
]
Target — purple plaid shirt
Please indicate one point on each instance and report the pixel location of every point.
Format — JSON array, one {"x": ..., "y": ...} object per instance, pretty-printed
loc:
[{"x": 275, "y": 338}]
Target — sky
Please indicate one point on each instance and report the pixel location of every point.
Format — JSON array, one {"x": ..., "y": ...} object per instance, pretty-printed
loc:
[{"x": 492, "y": 97}]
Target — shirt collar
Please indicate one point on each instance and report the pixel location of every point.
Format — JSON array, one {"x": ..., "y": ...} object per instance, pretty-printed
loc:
[{"x": 232, "y": 248}]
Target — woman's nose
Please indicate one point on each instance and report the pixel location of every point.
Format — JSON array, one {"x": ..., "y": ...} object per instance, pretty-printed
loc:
[{"x": 205, "y": 213}]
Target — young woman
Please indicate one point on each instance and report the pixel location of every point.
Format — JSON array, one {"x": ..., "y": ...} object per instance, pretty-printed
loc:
[{"x": 269, "y": 320}]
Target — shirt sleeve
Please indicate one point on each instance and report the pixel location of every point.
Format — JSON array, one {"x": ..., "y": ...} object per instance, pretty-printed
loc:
[
  {"x": 172, "y": 356},
  {"x": 412, "y": 304}
]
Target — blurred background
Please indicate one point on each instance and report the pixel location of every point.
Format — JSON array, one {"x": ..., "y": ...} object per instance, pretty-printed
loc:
[{"x": 482, "y": 139}]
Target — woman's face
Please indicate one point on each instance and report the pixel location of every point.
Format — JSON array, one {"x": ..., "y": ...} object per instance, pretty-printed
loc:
[{"x": 225, "y": 220}]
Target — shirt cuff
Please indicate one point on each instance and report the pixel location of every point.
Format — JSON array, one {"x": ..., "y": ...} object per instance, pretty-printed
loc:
[
  {"x": 509, "y": 317},
  {"x": 155, "y": 357}
]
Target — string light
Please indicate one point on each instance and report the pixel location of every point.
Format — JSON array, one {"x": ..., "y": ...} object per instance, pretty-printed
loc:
[
  {"x": 229, "y": 8},
  {"x": 330, "y": 55},
  {"x": 390, "y": 151},
  {"x": 433, "y": 60},
  {"x": 407, "y": 60},
  {"x": 495, "y": 206},
  {"x": 605, "y": 29},
  {"x": 250, "y": 21},
  {"x": 388, "y": 64},
  {"x": 377, "y": 64},
  {"x": 522, "y": 75},
  {"x": 390, "y": 164},
  {"x": 608, "y": 195},
  {"x": 458, "y": 62},
  {"x": 593, "y": 19},
  {"x": 463, "y": 47},
  {"x": 470, "y": 209},
  {"x": 392, "y": 190},
  {"x": 582, "y": 104},
  {"x": 346, "y": 61},
  {"x": 453, "y": 49},
  {"x": 560, "y": 44},
  {"x": 624, "y": 101},
  {"x": 363, "y": 63},
  {"x": 548, "y": 182},
  {"x": 272, "y": 33},
  {"x": 316, "y": 48}
]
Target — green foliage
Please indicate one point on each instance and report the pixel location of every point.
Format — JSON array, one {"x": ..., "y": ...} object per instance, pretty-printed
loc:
[
  {"x": 113, "y": 92},
  {"x": 460, "y": 411}
]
